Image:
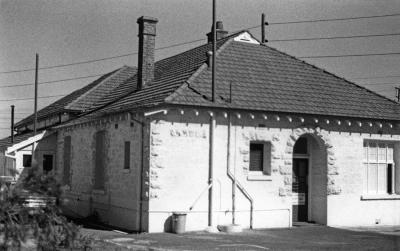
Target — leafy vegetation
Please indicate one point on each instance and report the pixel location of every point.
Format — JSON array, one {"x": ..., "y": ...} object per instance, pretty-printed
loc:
[{"x": 29, "y": 213}]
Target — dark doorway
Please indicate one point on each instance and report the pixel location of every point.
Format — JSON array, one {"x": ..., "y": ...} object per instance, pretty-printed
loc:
[
  {"x": 300, "y": 189},
  {"x": 47, "y": 163}
]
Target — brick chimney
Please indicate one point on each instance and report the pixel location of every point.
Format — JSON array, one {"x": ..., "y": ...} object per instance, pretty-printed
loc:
[
  {"x": 221, "y": 33},
  {"x": 147, "y": 40}
]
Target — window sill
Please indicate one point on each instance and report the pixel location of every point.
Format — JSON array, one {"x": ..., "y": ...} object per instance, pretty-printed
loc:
[
  {"x": 126, "y": 170},
  {"x": 259, "y": 177},
  {"x": 98, "y": 191},
  {"x": 380, "y": 197}
]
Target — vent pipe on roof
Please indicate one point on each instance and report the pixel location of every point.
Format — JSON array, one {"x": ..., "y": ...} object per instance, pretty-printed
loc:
[
  {"x": 209, "y": 58},
  {"x": 147, "y": 41},
  {"x": 220, "y": 32}
]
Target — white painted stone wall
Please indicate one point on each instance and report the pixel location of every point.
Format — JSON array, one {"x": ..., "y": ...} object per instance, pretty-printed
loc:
[
  {"x": 176, "y": 161},
  {"x": 179, "y": 171},
  {"x": 44, "y": 146},
  {"x": 347, "y": 208}
]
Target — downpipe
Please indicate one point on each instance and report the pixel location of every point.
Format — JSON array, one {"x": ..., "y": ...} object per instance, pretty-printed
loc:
[
  {"x": 211, "y": 170},
  {"x": 236, "y": 183},
  {"x": 142, "y": 174}
]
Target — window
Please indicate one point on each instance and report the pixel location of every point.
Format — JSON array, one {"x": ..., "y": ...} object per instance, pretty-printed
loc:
[
  {"x": 26, "y": 160},
  {"x": 99, "y": 170},
  {"x": 378, "y": 168},
  {"x": 67, "y": 161},
  {"x": 260, "y": 157},
  {"x": 127, "y": 157}
]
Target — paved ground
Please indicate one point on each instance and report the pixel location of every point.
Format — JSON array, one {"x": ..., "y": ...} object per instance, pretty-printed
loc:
[{"x": 308, "y": 237}]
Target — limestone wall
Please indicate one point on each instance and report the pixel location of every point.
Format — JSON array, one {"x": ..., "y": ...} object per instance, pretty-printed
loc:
[
  {"x": 179, "y": 170},
  {"x": 176, "y": 161},
  {"x": 118, "y": 203}
]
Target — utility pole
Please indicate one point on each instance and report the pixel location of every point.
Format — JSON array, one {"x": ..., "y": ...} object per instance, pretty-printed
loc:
[
  {"x": 214, "y": 48},
  {"x": 212, "y": 120},
  {"x": 35, "y": 107},
  {"x": 36, "y": 91},
  {"x": 263, "y": 24},
  {"x": 397, "y": 93},
  {"x": 12, "y": 124}
]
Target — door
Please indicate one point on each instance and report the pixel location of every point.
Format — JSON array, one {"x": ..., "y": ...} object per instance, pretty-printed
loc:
[
  {"x": 47, "y": 163},
  {"x": 300, "y": 190}
]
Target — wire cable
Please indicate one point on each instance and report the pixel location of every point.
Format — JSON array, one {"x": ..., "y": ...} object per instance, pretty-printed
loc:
[
  {"x": 198, "y": 40},
  {"x": 334, "y": 19},
  {"x": 99, "y": 59},
  {"x": 352, "y": 55},
  {"x": 335, "y": 37},
  {"x": 377, "y": 84},
  {"x": 19, "y": 99},
  {"x": 378, "y": 77},
  {"x": 15, "y": 113},
  {"x": 54, "y": 81}
]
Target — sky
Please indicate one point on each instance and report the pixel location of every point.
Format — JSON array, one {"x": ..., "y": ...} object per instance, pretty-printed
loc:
[{"x": 64, "y": 32}]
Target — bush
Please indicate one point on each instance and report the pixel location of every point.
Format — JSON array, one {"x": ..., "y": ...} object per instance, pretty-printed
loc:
[{"x": 43, "y": 223}]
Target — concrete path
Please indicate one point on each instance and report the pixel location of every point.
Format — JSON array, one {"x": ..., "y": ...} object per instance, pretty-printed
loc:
[{"x": 297, "y": 238}]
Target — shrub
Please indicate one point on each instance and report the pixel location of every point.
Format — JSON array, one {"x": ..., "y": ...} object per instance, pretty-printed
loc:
[{"x": 41, "y": 222}]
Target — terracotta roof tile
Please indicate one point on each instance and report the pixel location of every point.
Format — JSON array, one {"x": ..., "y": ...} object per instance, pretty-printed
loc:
[
  {"x": 265, "y": 79},
  {"x": 262, "y": 78},
  {"x": 60, "y": 105}
]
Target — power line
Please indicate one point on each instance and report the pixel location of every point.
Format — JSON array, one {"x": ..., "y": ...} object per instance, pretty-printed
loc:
[
  {"x": 381, "y": 84},
  {"x": 334, "y": 37},
  {"x": 378, "y": 77},
  {"x": 9, "y": 117},
  {"x": 54, "y": 81},
  {"x": 197, "y": 40},
  {"x": 325, "y": 20},
  {"x": 99, "y": 59},
  {"x": 69, "y": 64},
  {"x": 18, "y": 99},
  {"x": 334, "y": 19},
  {"x": 352, "y": 55},
  {"x": 8, "y": 113}
]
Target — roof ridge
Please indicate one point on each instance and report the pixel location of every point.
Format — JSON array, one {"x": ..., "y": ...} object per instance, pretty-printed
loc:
[
  {"x": 194, "y": 48},
  {"x": 332, "y": 74},
  {"x": 202, "y": 67}
]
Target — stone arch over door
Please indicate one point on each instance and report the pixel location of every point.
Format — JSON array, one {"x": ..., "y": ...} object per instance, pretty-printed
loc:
[{"x": 322, "y": 149}]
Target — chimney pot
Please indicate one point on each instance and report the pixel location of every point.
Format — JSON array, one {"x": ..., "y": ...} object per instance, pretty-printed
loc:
[
  {"x": 220, "y": 25},
  {"x": 209, "y": 58},
  {"x": 147, "y": 34},
  {"x": 221, "y": 33}
]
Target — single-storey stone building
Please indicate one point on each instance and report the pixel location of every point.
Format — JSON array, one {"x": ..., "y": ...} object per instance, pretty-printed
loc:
[{"x": 284, "y": 142}]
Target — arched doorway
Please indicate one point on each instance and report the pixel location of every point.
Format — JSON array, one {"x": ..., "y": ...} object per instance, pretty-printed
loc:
[{"x": 309, "y": 180}]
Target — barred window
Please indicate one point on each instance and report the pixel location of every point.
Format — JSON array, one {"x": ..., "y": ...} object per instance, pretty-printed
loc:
[
  {"x": 379, "y": 168},
  {"x": 260, "y": 157}
]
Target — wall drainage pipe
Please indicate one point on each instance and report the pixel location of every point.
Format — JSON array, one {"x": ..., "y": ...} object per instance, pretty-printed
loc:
[{"x": 236, "y": 183}]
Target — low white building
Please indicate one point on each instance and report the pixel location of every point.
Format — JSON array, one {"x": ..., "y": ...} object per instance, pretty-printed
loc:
[{"x": 284, "y": 141}]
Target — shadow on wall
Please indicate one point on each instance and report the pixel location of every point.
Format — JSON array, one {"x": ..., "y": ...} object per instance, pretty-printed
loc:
[{"x": 168, "y": 225}]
